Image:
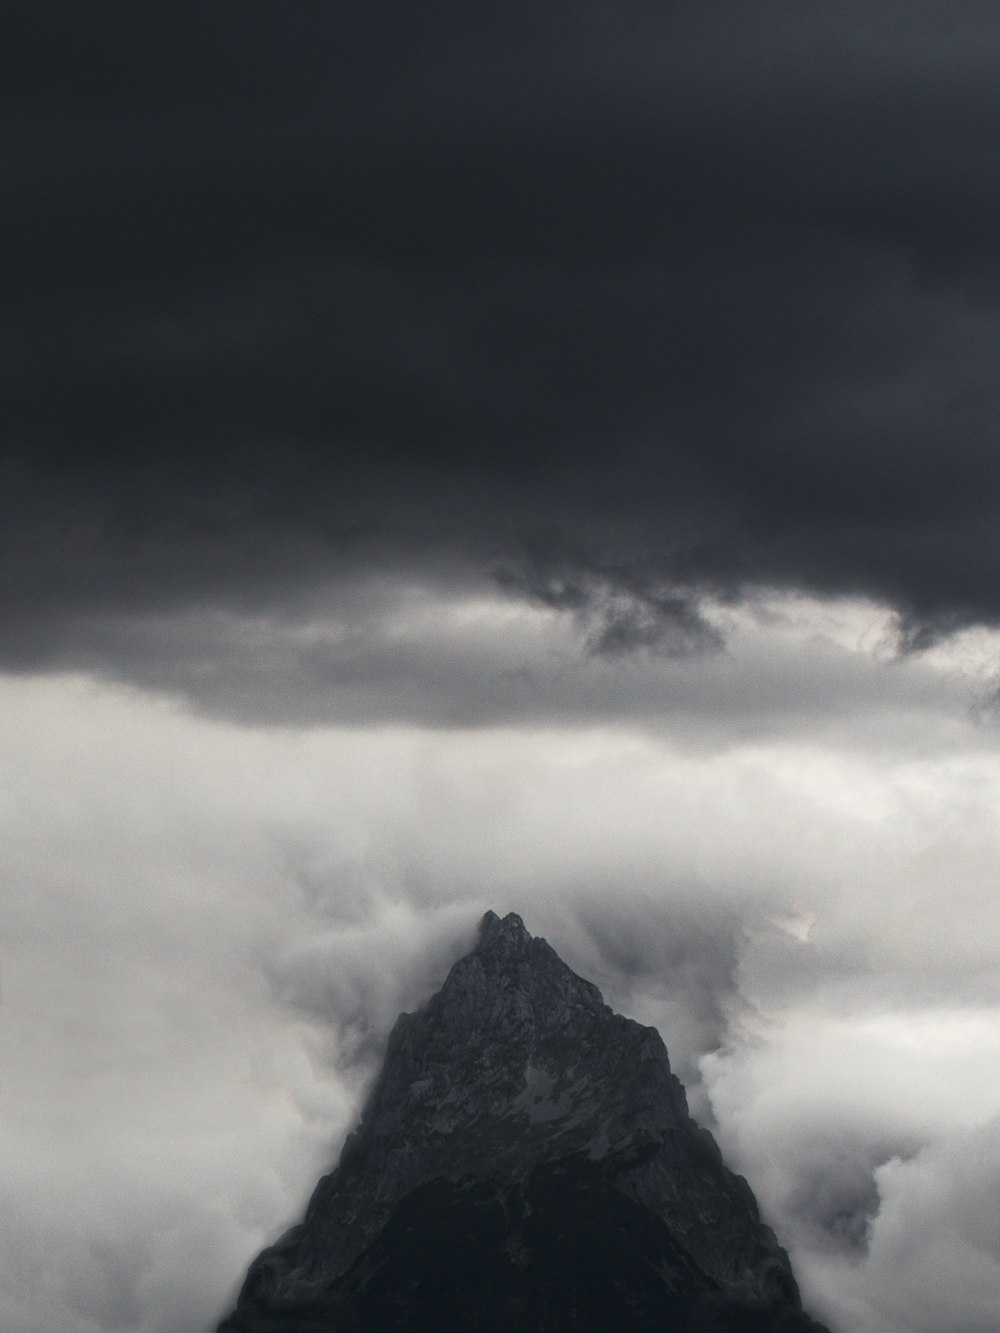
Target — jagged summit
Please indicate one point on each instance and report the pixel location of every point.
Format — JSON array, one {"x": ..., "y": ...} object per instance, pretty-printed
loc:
[
  {"x": 493, "y": 927},
  {"x": 508, "y": 939},
  {"x": 502, "y": 935},
  {"x": 525, "y": 1162}
]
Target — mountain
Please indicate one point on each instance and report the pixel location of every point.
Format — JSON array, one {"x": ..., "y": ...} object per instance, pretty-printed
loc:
[{"x": 525, "y": 1163}]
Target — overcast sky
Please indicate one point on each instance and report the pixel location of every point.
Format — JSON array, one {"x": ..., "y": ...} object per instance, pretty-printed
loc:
[{"x": 539, "y": 457}]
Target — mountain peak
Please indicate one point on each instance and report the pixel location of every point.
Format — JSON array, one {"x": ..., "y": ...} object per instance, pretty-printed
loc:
[
  {"x": 495, "y": 930},
  {"x": 504, "y": 937},
  {"x": 523, "y": 1135}
]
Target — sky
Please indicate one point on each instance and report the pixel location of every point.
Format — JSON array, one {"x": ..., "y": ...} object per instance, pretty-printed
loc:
[{"x": 537, "y": 458}]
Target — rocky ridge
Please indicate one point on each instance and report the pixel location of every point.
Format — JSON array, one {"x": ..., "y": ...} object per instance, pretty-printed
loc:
[{"x": 525, "y": 1161}]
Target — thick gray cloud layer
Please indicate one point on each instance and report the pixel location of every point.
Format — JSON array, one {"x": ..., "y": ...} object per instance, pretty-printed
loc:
[{"x": 614, "y": 309}]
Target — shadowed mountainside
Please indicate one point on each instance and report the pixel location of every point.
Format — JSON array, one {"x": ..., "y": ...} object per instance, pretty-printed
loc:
[{"x": 526, "y": 1163}]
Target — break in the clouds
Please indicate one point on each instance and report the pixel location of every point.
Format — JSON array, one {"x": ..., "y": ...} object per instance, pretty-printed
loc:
[{"x": 538, "y": 459}]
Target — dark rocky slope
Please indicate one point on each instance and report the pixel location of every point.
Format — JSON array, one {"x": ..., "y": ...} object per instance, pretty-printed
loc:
[{"x": 525, "y": 1164}]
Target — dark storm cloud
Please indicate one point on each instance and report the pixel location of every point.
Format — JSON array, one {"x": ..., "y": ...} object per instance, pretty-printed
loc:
[
  {"x": 619, "y": 610},
  {"x": 616, "y": 305}
]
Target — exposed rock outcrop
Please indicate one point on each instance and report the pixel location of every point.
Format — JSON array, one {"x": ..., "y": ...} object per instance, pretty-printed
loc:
[{"x": 525, "y": 1163}]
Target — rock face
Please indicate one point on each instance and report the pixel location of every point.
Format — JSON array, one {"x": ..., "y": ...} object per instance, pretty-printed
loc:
[{"x": 525, "y": 1164}]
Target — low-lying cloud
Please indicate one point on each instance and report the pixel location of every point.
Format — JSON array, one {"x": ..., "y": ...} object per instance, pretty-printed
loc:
[{"x": 213, "y": 927}]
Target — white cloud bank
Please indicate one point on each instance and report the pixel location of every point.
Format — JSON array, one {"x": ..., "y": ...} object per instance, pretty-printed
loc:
[{"x": 209, "y": 928}]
